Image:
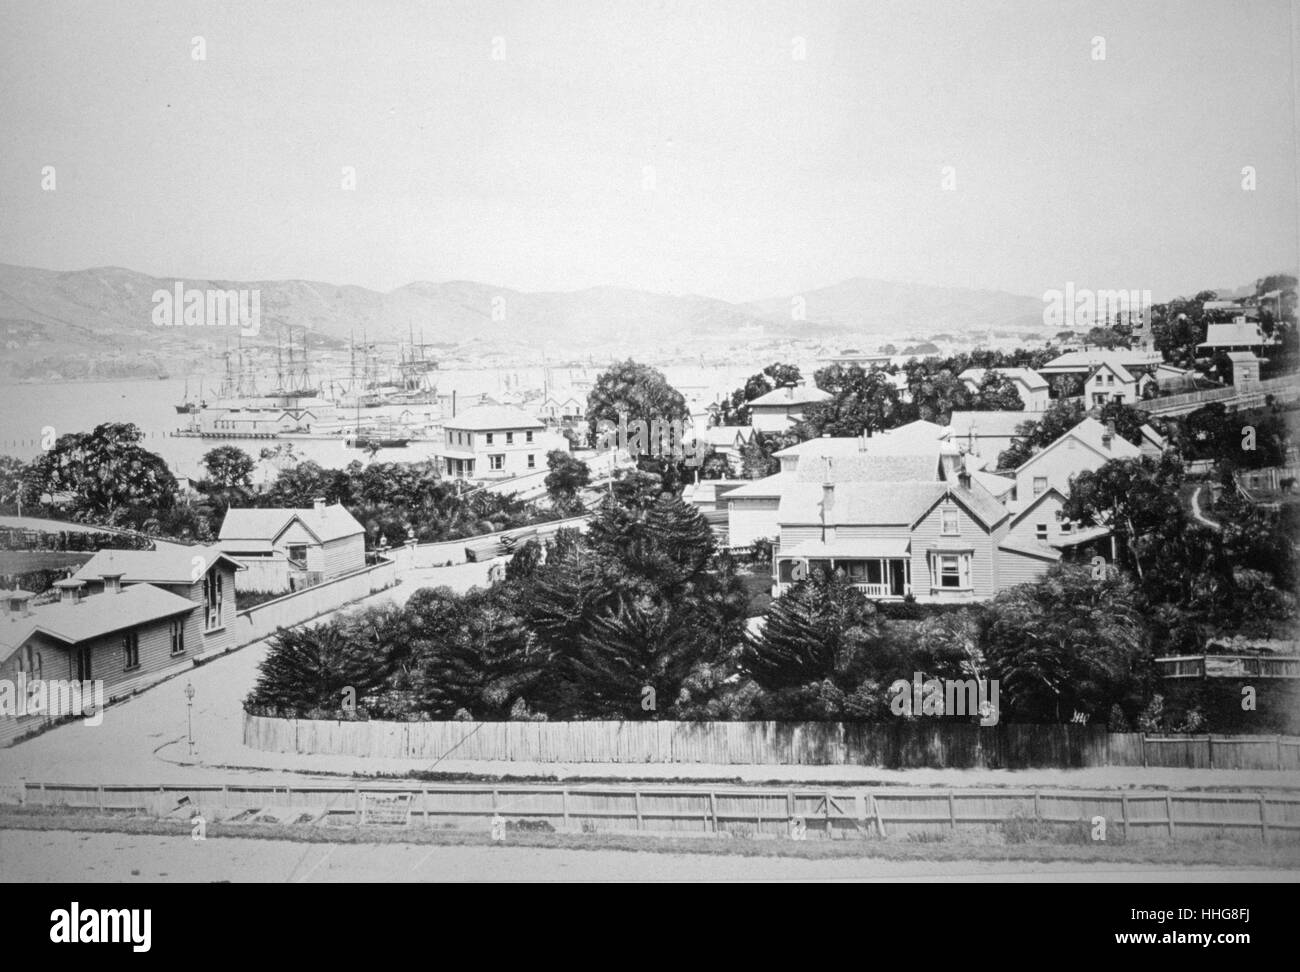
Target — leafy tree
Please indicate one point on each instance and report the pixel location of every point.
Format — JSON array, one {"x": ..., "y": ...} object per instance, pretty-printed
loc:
[
  {"x": 757, "y": 455},
  {"x": 568, "y": 475},
  {"x": 1066, "y": 643},
  {"x": 1126, "y": 419},
  {"x": 860, "y": 400},
  {"x": 229, "y": 466},
  {"x": 639, "y": 391},
  {"x": 1132, "y": 496},
  {"x": 111, "y": 479},
  {"x": 13, "y": 473}
]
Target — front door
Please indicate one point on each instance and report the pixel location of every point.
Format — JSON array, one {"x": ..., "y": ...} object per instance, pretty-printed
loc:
[{"x": 897, "y": 582}]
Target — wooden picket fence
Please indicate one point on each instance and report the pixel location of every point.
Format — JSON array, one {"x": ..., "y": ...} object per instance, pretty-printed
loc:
[
  {"x": 819, "y": 812},
  {"x": 899, "y": 745}
]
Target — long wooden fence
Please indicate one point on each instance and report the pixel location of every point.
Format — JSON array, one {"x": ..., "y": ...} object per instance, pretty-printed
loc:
[
  {"x": 898, "y": 745},
  {"x": 836, "y": 812}
]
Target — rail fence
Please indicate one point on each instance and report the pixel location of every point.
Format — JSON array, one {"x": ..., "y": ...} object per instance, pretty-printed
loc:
[
  {"x": 900, "y": 745},
  {"x": 1235, "y": 396},
  {"x": 819, "y": 812}
]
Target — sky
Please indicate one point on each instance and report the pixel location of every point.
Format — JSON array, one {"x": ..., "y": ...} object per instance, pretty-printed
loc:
[{"x": 736, "y": 150}]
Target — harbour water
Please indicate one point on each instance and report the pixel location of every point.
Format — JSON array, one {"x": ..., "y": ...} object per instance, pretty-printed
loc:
[{"x": 28, "y": 410}]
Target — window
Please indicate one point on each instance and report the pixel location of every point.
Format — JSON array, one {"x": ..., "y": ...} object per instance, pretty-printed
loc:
[
  {"x": 131, "y": 650},
  {"x": 1040, "y": 531},
  {"x": 497, "y": 462},
  {"x": 178, "y": 636},
  {"x": 532, "y": 460},
  {"x": 1110, "y": 379},
  {"x": 950, "y": 571},
  {"x": 1040, "y": 485},
  {"x": 528, "y": 436},
  {"x": 1067, "y": 526},
  {"x": 488, "y": 437},
  {"x": 298, "y": 554},
  {"x": 510, "y": 438},
  {"x": 213, "y": 588},
  {"x": 950, "y": 527}
]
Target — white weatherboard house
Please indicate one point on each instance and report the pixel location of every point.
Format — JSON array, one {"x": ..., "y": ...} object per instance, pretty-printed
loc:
[
  {"x": 285, "y": 549},
  {"x": 495, "y": 442},
  {"x": 783, "y": 407},
  {"x": 1088, "y": 446}
]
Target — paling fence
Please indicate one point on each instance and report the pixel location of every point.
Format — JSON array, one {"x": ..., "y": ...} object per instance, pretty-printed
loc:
[
  {"x": 898, "y": 745},
  {"x": 820, "y": 812}
]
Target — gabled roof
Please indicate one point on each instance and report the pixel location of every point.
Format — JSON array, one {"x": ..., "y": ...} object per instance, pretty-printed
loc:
[
  {"x": 977, "y": 501},
  {"x": 167, "y": 565},
  {"x": 1092, "y": 357},
  {"x": 325, "y": 524},
  {"x": 1248, "y": 333},
  {"x": 493, "y": 418},
  {"x": 1091, "y": 434},
  {"x": 791, "y": 395},
  {"x": 1117, "y": 369},
  {"x": 1036, "y": 502},
  {"x": 93, "y": 616}
]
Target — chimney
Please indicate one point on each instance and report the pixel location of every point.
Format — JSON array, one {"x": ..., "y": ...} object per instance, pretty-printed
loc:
[
  {"x": 69, "y": 590},
  {"x": 949, "y": 460},
  {"x": 1108, "y": 436},
  {"x": 318, "y": 503},
  {"x": 963, "y": 475},
  {"x": 828, "y": 498},
  {"x": 112, "y": 583}
]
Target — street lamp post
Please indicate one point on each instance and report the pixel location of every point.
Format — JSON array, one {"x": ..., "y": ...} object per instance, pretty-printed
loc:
[{"x": 189, "y": 714}]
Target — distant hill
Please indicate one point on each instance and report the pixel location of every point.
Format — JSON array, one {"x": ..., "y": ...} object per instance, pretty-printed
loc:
[
  {"x": 98, "y": 322},
  {"x": 870, "y": 306}
]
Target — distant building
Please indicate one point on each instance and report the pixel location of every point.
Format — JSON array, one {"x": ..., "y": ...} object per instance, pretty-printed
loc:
[
  {"x": 865, "y": 360},
  {"x": 495, "y": 442},
  {"x": 1240, "y": 335},
  {"x": 1111, "y": 382},
  {"x": 287, "y": 549},
  {"x": 784, "y": 407},
  {"x": 728, "y": 441},
  {"x": 1245, "y": 367},
  {"x": 1085, "y": 362}
]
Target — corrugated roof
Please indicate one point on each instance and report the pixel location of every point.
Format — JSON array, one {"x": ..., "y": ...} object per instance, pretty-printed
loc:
[
  {"x": 879, "y": 547},
  {"x": 992, "y": 423},
  {"x": 860, "y": 504},
  {"x": 1089, "y": 359},
  {"x": 1030, "y": 548},
  {"x": 166, "y": 565},
  {"x": 326, "y": 524},
  {"x": 869, "y": 468},
  {"x": 491, "y": 418}
]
